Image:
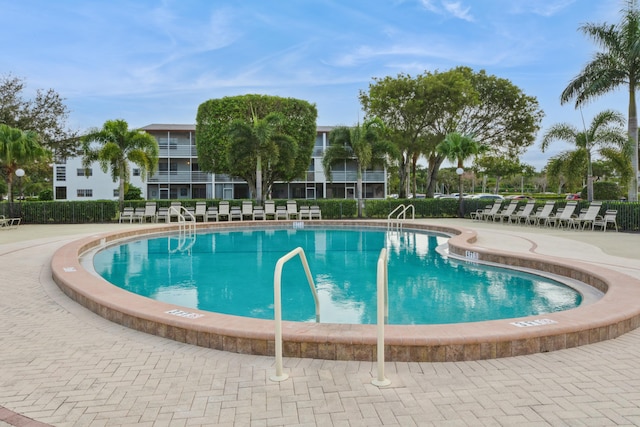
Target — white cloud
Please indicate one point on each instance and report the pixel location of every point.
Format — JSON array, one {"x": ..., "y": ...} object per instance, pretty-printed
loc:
[{"x": 456, "y": 9}]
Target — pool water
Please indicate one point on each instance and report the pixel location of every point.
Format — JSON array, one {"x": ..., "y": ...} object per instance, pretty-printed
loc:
[{"x": 232, "y": 272}]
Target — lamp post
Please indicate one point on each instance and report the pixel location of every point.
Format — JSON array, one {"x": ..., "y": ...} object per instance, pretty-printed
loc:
[
  {"x": 20, "y": 174},
  {"x": 459, "y": 172}
]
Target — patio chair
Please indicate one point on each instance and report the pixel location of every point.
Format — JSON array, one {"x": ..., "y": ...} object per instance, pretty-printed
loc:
[
  {"x": 523, "y": 213},
  {"x": 486, "y": 216},
  {"x": 539, "y": 218},
  {"x": 588, "y": 217},
  {"x": 281, "y": 212},
  {"x": 314, "y": 212},
  {"x": 200, "y": 211},
  {"x": 506, "y": 212},
  {"x": 247, "y": 210},
  {"x": 223, "y": 211},
  {"x": 608, "y": 218},
  {"x": 269, "y": 209},
  {"x": 174, "y": 210},
  {"x": 477, "y": 214},
  {"x": 126, "y": 214},
  {"x": 211, "y": 213},
  {"x": 305, "y": 212},
  {"x": 150, "y": 212},
  {"x": 292, "y": 210},
  {"x": 138, "y": 214},
  {"x": 163, "y": 214},
  {"x": 235, "y": 213},
  {"x": 562, "y": 218},
  {"x": 259, "y": 213}
]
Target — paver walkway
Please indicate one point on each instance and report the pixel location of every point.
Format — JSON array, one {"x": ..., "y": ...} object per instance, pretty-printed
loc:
[{"x": 62, "y": 365}]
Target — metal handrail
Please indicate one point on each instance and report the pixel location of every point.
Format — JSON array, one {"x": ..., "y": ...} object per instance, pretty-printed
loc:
[
  {"x": 382, "y": 315},
  {"x": 277, "y": 302},
  {"x": 400, "y": 217}
]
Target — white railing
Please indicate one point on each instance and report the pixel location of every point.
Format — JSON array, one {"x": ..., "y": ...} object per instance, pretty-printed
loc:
[
  {"x": 382, "y": 315},
  {"x": 277, "y": 305},
  {"x": 396, "y": 222}
]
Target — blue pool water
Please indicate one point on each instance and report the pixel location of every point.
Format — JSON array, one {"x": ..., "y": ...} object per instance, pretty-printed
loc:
[{"x": 232, "y": 272}]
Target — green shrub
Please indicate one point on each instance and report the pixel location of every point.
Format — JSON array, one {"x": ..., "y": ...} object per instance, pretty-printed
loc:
[
  {"x": 46, "y": 194},
  {"x": 603, "y": 190}
]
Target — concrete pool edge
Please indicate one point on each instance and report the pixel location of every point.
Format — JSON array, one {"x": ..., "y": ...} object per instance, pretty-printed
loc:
[{"x": 615, "y": 314}]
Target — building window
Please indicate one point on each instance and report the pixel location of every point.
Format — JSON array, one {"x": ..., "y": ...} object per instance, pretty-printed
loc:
[
  {"x": 85, "y": 172},
  {"x": 85, "y": 192},
  {"x": 61, "y": 173},
  {"x": 136, "y": 172},
  {"x": 116, "y": 192},
  {"x": 61, "y": 193}
]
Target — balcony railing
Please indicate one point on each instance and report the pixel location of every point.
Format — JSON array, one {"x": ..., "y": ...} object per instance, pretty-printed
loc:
[
  {"x": 180, "y": 177},
  {"x": 352, "y": 176},
  {"x": 174, "y": 150}
]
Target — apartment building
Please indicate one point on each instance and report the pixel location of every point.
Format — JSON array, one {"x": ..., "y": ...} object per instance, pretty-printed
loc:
[{"x": 179, "y": 176}]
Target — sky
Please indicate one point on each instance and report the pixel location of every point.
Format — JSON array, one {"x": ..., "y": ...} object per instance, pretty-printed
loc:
[{"x": 150, "y": 61}]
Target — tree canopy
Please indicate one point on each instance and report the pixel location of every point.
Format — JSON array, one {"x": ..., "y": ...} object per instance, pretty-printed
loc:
[
  {"x": 419, "y": 112},
  {"x": 17, "y": 148},
  {"x": 45, "y": 115},
  {"x": 279, "y": 162}
]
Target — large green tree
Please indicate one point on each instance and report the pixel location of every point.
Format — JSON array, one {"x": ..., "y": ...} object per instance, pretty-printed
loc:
[
  {"x": 214, "y": 140},
  {"x": 616, "y": 64},
  {"x": 114, "y": 146},
  {"x": 365, "y": 144},
  {"x": 420, "y": 112},
  {"x": 45, "y": 114},
  {"x": 17, "y": 149},
  {"x": 605, "y": 131},
  {"x": 250, "y": 143},
  {"x": 499, "y": 167}
]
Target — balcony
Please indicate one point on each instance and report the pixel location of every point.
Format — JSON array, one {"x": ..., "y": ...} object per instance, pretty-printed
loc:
[
  {"x": 352, "y": 176},
  {"x": 180, "y": 177},
  {"x": 174, "y": 150}
]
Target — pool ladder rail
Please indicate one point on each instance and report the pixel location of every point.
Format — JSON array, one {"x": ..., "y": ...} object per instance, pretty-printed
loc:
[
  {"x": 382, "y": 310},
  {"x": 186, "y": 227},
  {"x": 395, "y": 223}
]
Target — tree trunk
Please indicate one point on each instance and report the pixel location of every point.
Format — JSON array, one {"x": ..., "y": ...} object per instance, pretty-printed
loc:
[
  {"x": 633, "y": 134},
  {"x": 402, "y": 172},
  {"x": 434, "y": 163},
  {"x": 359, "y": 190},
  {"x": 259, "y": 196}
]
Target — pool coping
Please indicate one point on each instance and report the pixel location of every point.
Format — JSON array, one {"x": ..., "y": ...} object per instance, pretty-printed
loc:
[{"x": 616, "y": 313}]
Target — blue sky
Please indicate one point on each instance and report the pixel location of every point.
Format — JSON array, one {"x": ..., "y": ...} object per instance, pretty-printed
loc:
[{"x": 155, "y": 61}]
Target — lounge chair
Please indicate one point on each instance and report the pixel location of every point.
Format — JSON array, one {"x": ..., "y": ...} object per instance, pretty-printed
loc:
[
  {"x": 539, "y": 218},
  {"x": 258, "y": 213},
  {"x": 223, "y": 211},
  {"x": 608, "y": 218},
  {"x": 150, "y": 212},
  {"x": 292, "y": 210},
  {"x": 314, "y": 212},
  {"x": 200, "y": 211},
  {"x": 138, "y": 214},
  {"x": 477, "y": 214},
  {"x": 247, "y": 210},
  {"x": 506, "y": 212},
  {"x": 523, "y": 213},
  {"x": 281, "y": 212},
  {"x": 211, "y": 214},
  {"x": 588, "y": 217},
  {"x": 235, "y": 213},
  {"x": 305, "y": 212},
  {"x": 269, "y": 209},
  {"x": 7, "y": 223},
  {"x": 486, "y": 216},
  {"x": 163, "y": 214},
  {"x": 174, "y": 211},
  {"x": 126, "y": 214},
  {"x": 564, "y": 217}
]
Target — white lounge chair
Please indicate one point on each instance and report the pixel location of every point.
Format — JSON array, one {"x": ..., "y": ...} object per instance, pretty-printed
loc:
[
  {"x": 608, "y": 218},
  {"x": 292, "y": 210},
  {"x": 200, "y": 211},
  {"x": 314, "y": 212},
  {"x": 126, "y": 214},
  {"x": 523, "y": 214},
  {"x": 211, "y": 214},
  {"x": 247, "y": 210},
  {"x": 506, "y": 212},
  {"x": 539, "y": 218},
  {"x": 588, "y": 217},
  {"x": 223, "y": 211},
  {"x": 281, "y": 212},
  {"x": 486, "y": 216},
  {"x": 259, "y": 213},
  {"x": 150, "y": 212},
  {"x": 163, "y": 214},
  {"x": 305, "y": 212},
  {"x": 235, "y": 213},
  {"x": 564, "y": 217},
  {"x": 269, "y": 209}
]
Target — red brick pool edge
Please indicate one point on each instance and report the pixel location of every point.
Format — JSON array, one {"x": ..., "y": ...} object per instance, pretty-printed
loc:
[{"x": 616, "y": 313}]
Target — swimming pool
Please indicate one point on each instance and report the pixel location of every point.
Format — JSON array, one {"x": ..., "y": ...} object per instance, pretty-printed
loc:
[{"x": 231, "y": 272}]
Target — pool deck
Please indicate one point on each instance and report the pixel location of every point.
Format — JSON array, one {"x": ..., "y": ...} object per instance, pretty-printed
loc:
[{"x": 63, "y": 365}]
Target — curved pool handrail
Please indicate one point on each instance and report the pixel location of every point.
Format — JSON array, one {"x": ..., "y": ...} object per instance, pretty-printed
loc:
[{"x": 277, "y": 305}]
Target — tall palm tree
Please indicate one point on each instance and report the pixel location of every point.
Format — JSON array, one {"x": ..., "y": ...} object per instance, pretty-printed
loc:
[
  {"x": 457, "y": 148},
  {"x": 617, "y": 64},
  {"x": 115, "y": 146},
  {"x": 18, "y": 147},
  {"x": 252, "y": 143},
  {"x": 604, "y": 132},
  {"x": 365, "y": 144}
]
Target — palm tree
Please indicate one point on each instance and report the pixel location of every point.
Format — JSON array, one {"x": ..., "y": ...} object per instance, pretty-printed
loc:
[
  {"x": 251, "y": 143},
  {"x": 115, "y": 146},
  {"x": 602, "y": 133},
  {"x": 18, "y": 147},
  {"x": 617, "y": 64},
  {"x": 365, "y": 144},
  {"x": 457, "y": 148}
]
